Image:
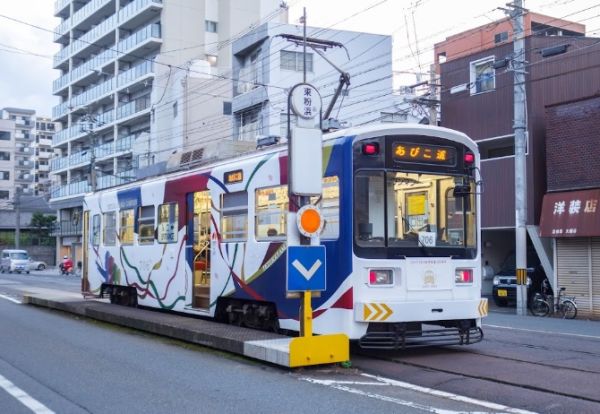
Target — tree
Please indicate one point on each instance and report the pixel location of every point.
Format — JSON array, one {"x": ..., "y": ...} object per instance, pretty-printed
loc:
[{"x": 41, "y": 224}]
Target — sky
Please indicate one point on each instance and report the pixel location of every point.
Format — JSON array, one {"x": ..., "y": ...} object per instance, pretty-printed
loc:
[{"x": 26, "y": 52}]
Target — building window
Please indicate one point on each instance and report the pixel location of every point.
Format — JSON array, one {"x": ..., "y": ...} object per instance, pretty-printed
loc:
[
  {"x": 96, "y": 230},
  {"x": 126, "y": 226},
  {"x": 4, "y": 156},
  {"x": 294, "y": 61},
  {"x": 210, "y": 26},
  {"x": 110, "y": 228},
  {"x": 168, "y": 223},
  {"x": 146, "y": 225},
  {"x": 483, "y": 77},
  {"x": 249, "y": 124},
  {"x": 4, "y": 195},
  {"x": 234, "y": 216},
  {"x": 4, "y": 136},
  {"x": 4, "y": 175},
  {"x": 500, "y": 37},
  {"x": 498, "y": 147},
  {"x": 271, "y": 212}
]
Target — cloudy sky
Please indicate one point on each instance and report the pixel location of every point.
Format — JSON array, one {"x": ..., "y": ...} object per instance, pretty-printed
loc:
[{"x": 26, "y": 52}]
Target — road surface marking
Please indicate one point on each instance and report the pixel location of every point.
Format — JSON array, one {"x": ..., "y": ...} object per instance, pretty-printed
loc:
[
  {"x": 544, "y": 332},
  {"x": 24, "y": 398},
  {"x": 345, "y": 386},
  {"x": 11, "y": 299}
]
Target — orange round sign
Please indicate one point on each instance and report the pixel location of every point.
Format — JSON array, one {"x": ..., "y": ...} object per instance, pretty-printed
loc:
[{"x": 309, "y": 220}]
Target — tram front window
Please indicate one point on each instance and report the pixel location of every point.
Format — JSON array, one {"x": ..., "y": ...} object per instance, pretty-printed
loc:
[{"x": 413, "y": 213}]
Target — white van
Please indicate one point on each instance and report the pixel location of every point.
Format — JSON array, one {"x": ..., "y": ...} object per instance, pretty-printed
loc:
[{"x": 14, "y": 261}]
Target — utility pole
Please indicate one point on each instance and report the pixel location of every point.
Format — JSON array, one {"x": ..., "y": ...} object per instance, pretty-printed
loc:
[
  {"x": 520, "y": 128},
  {"x": 91, "y": 121},
  {"x": 18, "y": 217}
]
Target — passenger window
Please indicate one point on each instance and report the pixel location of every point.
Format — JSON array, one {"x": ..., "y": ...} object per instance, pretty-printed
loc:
[
  {"x": 168, "y": 223},
  {"x": 271, "y": 213},
  {"x": 110, "y": 228},
  {"x": 146, "y": 225},
  {"x": 127, "y": 218},
  {"x": 234, "y": 216},
  {"x": 330, "y": 208},
  {"x": 96, "y": 230}
]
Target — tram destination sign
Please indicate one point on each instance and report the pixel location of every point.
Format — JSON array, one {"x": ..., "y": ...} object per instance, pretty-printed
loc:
[{"x": 419, "y": 153}]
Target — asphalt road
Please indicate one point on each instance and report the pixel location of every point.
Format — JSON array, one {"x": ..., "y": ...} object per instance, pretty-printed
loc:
[
  {"x": 52, "y": 362},
  {"x": 64, "y": 364}
]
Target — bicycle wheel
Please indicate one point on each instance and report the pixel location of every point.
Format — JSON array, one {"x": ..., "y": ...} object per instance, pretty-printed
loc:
[
  {"x": 540, "y": 307},
  {"x": 568, "y": 309}
]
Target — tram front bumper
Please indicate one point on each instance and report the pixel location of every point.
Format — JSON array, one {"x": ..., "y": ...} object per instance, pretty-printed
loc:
[{"x": 393, "y": 312}]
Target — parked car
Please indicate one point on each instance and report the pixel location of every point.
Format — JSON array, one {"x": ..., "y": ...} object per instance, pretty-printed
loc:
[
  {"x": 504, "y": 282},
  {"x": 37, "y": 265},
  {"x": 13, "y": 260}
]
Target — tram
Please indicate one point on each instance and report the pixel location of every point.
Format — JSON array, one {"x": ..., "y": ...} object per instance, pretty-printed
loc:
[{"x": 400, "y": 203}]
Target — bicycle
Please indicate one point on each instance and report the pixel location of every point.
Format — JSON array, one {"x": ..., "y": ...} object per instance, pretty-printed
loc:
[{"x": 565, "y": 306}]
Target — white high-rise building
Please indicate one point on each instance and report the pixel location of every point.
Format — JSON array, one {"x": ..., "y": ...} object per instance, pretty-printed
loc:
[{"x": 119, "y": 64}]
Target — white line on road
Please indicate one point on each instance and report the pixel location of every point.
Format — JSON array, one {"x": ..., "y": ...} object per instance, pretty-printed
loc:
[
  {"x": 24, "y": 398},
  {"x": 544, "y": 332},
  {"x": 11, "y": 299},
  {"x": 345, "y": 386}
]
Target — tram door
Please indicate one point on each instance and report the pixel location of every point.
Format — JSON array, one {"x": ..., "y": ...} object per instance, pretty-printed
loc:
[{"x": 201, "y": 249}]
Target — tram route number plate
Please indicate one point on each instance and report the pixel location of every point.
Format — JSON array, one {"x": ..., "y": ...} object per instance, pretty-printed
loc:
[{"x": 502, "y": 292}]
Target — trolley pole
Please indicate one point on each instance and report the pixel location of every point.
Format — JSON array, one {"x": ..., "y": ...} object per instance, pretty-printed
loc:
[{"x": 520, "y": 128}]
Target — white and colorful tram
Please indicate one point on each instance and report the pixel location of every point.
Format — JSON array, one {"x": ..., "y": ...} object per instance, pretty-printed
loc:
[{"x": 401, "y": 234}]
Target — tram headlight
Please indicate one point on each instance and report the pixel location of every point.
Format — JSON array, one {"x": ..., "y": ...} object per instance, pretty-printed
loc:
[
  {"x": 463, "y": 276},
  {"x": 381, "y": 277}
]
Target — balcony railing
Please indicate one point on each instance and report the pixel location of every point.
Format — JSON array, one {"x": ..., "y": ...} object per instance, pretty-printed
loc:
[
  {"x": 135, "y": 72},
  {"x": 80, "y": 158},
  {"x": 152, "y": 30},
  {"x": 93, "y": 93},
  {"x": 61, "y": 82},
  {"x": 77, "y": 130},
  {"x": 65, "y": 227},
  {"x": 59, "y": 163},
  {"x": 124, "y": 144},
  {"x": 60, "y": 109},
  {"x": 91, "y": 36},
  {"x": 88, "y": 10},
  {"x": 123, "y": 177},
  {"x": 61, "y": 55},
  {"x": 98, "y": 61},
  {"x": 133, "y": 107},
  {"x": 133, "y": 8},
  {"x": 62, "y": 29},
  {"x": 105, "y": 150},
  {"x": 60, "y": 4}
]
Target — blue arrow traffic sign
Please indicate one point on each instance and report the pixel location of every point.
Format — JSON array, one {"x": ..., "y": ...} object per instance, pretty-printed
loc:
[{"x": 305, "y": 268}]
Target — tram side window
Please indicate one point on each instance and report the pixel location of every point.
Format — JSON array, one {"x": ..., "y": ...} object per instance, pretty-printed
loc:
[
  {"x": 110, "y": 228},
  {"x": 234, "y": 216},
  {"x": 96, "y": 230},
  {"x": 168, "y": 222},
  {"x": 271, "y": 213},
  {"x": 330, "y": 208},
  {"x": 146, "y": 225},
  {"x": 126, "y": 220}
]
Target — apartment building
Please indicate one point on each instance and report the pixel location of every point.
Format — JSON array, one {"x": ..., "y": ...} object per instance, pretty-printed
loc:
[
  {"x": 21, "y": 142},
  {"x": 7, "y": 162},
  {"x": 266, "y": 66},
  {"x": 120, "y": 64},
  {"x": 42, "y": 154}
]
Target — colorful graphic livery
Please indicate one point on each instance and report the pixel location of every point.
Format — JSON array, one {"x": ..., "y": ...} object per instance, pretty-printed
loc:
[{"x": 401, "y": 238}]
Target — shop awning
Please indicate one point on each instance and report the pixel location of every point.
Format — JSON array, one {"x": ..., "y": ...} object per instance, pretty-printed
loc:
[{"x": 571, "y": 214}]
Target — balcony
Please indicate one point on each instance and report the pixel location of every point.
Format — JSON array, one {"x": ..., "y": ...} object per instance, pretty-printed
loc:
[
  {"x": 76, "y": 129},
  {"x": 148, "y": 32},
  {"x": 61, "y": 56},
  {"x": 62, "y": 29},
  {"x": 123, "y": 177},
  {"x": 79, "y": 158},
  {"x": 124, "y": 144},
  {"x": 88, "y": 10},
  {"x": 135, "y": 73},
  {"x": 60, "y": 83},
  {"x": 59, "y": 163},
  {"x": 133, "y": 107},
  {"x": 134, "y": 8},
  {"x": 60, "y": 5},
  {"x": 98, "y": 62},
  {"x": 64, "y": 227},
  {"x": 43, "y": 167},
  {"x": 60, "y": 110},
  {"x": 94, "y": 93},
  {"x": 92, "y": 36}
]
